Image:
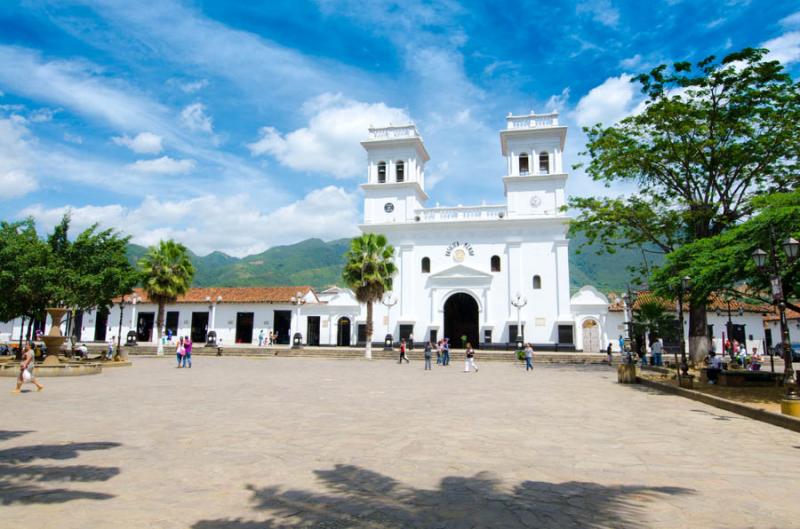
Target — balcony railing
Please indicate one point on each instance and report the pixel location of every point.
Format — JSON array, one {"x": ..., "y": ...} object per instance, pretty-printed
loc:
[
  {"x": 391, "y": 132},
  {"x": 532, "y": 121},
  {"x": 460, "y": 213}
]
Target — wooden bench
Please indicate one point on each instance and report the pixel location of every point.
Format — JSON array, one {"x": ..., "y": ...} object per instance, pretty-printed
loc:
[{"x": 743, "y": 377}]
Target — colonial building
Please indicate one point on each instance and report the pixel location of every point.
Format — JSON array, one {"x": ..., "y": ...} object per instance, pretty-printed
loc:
[{"x": 492, "y": 274}]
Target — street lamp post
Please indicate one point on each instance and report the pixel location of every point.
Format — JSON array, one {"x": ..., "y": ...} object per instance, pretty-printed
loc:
[
  {"x": 518, "y": 301},
  {"x": 119, "y": 332},
  {"x": 769, "y": 264},
  {"x": 684, "y": 368},
  {"x": 211, "y": 330},
  {"x": 729, "y": 324},
  {"x": 389, "y": 301},
  {"x": 297, "y": 337}
]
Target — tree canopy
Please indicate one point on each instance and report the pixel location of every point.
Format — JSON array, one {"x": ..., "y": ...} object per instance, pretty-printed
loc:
[{"x": 708, "y": 138}]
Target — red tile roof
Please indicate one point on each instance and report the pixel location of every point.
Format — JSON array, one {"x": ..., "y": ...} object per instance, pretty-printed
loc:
[
  {"x": 235, "y": 294},
  {"x": 716, "y": 302}
]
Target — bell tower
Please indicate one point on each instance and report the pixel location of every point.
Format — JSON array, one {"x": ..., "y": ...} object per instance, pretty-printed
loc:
[
  {"x": 395, "y": 187},
  {"x": 533, "y": 146}
]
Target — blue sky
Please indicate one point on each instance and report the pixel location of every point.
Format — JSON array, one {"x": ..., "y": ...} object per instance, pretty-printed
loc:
[{"x": 234, "y": 126}]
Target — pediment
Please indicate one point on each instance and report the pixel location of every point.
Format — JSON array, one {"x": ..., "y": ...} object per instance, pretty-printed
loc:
[{"x": 461, "y": 272}]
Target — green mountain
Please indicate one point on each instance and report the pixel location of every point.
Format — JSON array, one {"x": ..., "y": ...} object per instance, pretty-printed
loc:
[{"x": 319, "y": 264}]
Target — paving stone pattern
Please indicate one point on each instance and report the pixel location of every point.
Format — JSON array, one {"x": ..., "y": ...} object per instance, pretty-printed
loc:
[{"x": 246, "y": 443}]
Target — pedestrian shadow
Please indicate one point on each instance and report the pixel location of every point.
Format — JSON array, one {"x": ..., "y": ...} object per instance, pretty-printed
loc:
[
  {"x": 716, "y": 416},
  {"x": 359, "y": 498},
  {"x": 21, "y": 482}
]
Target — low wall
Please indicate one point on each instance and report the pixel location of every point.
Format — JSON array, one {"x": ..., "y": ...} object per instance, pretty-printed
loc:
[{"x": 61, "y": 370}]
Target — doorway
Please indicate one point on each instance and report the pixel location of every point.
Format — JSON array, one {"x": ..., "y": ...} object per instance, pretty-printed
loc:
[
  {"x": 461, "y": 320},
  {"x": 144, "y": 326},
  {"x": 199, "y": 327},
  {"x": 591, "y": 336},
  {"x": 100, "y": 324},
  {"x": 172, "y": 323},
  {"x": 244, "y": 327},
  {"x": 283, "y": 325},
  {"x": 312, "y": 330},
  {"x": 343, "y": 332}
]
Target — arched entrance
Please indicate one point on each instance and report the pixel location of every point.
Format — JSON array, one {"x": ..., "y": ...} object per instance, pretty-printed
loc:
[
  {"x": 591, "y": 336},
  {"x": 461, "y": 319},
  {"x": 343, "y": 332}
]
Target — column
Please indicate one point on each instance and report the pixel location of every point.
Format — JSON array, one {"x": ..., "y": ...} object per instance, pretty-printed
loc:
[
  {"x": 407, "y": 307},
  {"x": 561, "y": 250},
  {"x": 514, "y": 266}
]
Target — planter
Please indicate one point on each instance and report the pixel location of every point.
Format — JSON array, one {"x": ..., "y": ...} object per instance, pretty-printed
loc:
[
  {"x": 626, "y": 373},
  {"x": 686, "y": 381}
]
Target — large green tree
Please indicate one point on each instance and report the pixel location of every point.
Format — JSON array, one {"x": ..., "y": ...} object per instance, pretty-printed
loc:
[
  {"x": 710, "y": 136},
  {"x": 167, "y": 273},
  {"x": 725, "y": 261},
  {"x": 91, "y": 270},
  {"x": 24, "y": 271},
  {"x": 368, "y": 270}
]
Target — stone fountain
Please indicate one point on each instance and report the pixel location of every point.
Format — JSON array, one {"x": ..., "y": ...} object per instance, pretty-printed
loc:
[{"x": 54, "y": 340}]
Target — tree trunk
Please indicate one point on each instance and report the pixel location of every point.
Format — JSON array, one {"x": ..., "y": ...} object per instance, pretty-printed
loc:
[
  {"x": 368, "y": 353},
  {"x": 21, "y": 337},
  {"x": 699, "y": 343},
  {"x": 159, "y": 326}
]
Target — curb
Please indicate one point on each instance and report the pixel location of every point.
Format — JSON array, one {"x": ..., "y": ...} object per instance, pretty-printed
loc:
[{"x": 775, "y": 419}]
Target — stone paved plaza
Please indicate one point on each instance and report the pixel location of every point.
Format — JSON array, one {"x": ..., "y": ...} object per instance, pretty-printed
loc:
[{"x": 293, "y": 442}]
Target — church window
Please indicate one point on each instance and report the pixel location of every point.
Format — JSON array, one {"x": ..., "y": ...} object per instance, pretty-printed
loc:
[
  {"x": 400, "y": 171},
  {"x": 523, "y": 164},
  {"x": 426, "y": 265},
  {"x": 537, "y": 282},
  {"x": 495, "y": 263},
  {"x": 381, "y": 172},
  {"x": 544, "y": 163}
]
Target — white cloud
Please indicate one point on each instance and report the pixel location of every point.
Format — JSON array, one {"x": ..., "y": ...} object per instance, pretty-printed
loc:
[
  {"x": 232, "y": 224},
  {"x": 195, "y": 119},
  {"x": 194, "y": 86},
  {"x": 785, "y": 48},
  {"x": 601, "y": 11},
  {"x": 16, "y": 179},
  {"x": 791, "y": 21},
  {"x": 163, "y": 165},
  {"x": 631, "y": 62},
  {"x": 42, "y": 115},
  {"x": 73, "y": 138},
  {"x": 142, "y": 143},
  {"x": 558, "y": 102},
  {"x": 716, "y": 22},
  {"x": 329, "y": 144},
  {"x": 607, "y": 103}
]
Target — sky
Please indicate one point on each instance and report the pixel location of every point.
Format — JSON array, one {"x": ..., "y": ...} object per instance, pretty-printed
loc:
[{"x": 235, "y": 126}]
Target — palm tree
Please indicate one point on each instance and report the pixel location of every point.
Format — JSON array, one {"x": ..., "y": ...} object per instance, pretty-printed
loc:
[
  {"x": 368, "y": 270},
  {"x": 167, "y": 273}
]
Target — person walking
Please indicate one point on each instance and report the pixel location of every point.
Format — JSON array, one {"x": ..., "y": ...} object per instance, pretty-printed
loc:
[
  {"x": 439, "y": 347},
  {"x": 446, "y": 352},
  {"x": 469, "y": 358},
  {"x": 428, "y": 351},
  {"x": 261, "y": 338},
  {"x": 528, "y": 357},
  {"x": 403, "y": 352},
  {"x": 187, "y": 352},
  {"x": 110, "y": 351},
  {"x": 179, "y": 352},
  {"x": 26, "y": 370},
  {"x": 657, "y": 349},
  {"x": 608, "y": 353}
]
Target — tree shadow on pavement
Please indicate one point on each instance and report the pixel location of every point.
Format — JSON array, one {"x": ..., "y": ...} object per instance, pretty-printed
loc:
[
  {"x": 360, "y": 498},
  {"x": 20, "y": 482}
]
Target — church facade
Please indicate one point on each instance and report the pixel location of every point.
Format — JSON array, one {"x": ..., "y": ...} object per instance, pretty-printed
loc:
[{"x": 490, "y": 273}]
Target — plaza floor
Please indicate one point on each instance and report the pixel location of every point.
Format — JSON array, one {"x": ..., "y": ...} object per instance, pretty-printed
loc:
[{"x": 246, "y": 443}]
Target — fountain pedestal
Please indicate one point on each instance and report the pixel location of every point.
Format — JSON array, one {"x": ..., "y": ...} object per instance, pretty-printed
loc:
[{"x": 54, "y": 340}]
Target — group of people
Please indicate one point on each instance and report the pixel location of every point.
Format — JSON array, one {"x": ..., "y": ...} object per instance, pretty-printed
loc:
[
  {"x": 184, "y": 352},
  {"x": 270, "y": 338}
]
